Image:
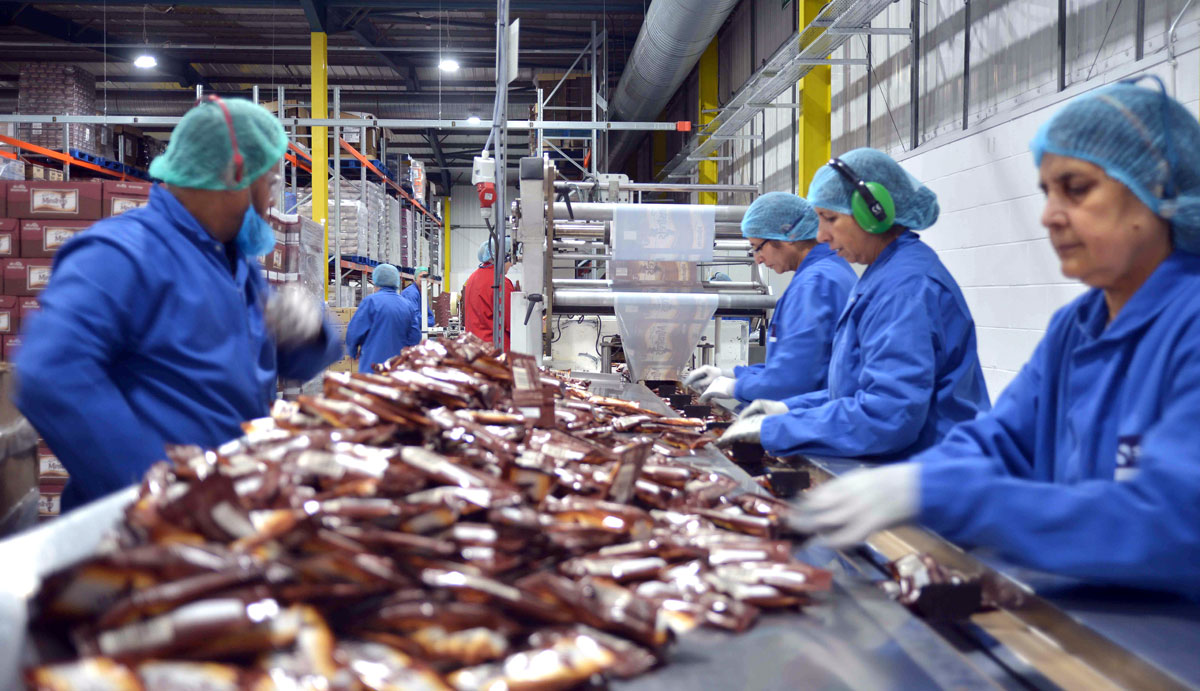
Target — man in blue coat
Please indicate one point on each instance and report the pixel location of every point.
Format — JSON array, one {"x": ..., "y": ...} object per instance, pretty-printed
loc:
[
  {"x": 782, "y": 229},
  {"x": 157, "y": 326},
  {"x": 385, "y": 323},
  {"x": 904, "y": 369},
  {"x": 1089, "y": 465},
  {"x": 412, "y": 293}
]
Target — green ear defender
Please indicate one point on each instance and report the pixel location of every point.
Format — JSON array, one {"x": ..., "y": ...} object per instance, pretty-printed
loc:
[{"x": 871, "y": 204}]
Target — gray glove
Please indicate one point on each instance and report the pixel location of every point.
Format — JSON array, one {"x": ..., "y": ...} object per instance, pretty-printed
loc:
[
  {"x": 845, "y": 511},
  {"x": 700, "y": 378},
  {"x": 743, "y": 429},
  {"x": 721, "y": 387},
  {"x": 764, "y": 406},
  {"x": 293, "y": 317}
]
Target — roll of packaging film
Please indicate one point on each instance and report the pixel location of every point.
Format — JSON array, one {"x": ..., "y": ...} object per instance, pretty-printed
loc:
[{"x": 660, "y": 303}]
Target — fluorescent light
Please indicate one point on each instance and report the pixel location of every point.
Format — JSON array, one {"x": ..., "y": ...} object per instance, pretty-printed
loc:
[
  {"x": 448, "y": 65},
  {"x": 145, "y": 62},
  {"x": 473, "y": 120}
]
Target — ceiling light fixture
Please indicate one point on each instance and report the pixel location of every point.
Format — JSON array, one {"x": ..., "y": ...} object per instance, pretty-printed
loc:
[
  {"x": 145, "y": 62},
  {"x": 473, "y": 120},
  {"x": 448, "y": 65}
]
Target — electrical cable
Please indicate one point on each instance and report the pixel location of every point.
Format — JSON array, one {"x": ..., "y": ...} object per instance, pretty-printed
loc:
[
  {"x": 1104, "y": 40},
  {"x": 883, "y": 95}
]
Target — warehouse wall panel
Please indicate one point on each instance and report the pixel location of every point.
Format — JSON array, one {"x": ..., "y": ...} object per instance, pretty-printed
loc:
[{"x": 467, "y": 232}]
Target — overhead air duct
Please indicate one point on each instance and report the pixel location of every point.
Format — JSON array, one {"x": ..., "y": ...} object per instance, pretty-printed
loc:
[{"x": 673, "y": 36}]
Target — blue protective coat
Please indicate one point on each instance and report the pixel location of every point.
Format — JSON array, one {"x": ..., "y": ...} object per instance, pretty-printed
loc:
[
  {"x": 413, "y": 294},
  {"x": 146, "y": 338},
  {"x": 800, "y": 337},
  {"x": 1090, "y": 463},
  {"x": 383, "y": 325},
  {"x": 903, "y": 370}
]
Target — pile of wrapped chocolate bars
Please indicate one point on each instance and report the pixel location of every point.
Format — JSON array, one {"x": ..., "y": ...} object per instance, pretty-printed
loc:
[{"x": 457, "y": 520}]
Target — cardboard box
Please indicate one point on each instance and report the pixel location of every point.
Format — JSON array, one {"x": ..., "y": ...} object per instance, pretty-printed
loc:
[
  {"x": 9, "y": 345},
  {"x": 42, "y": 239},
  {"x": 120, "y": 197},
  {"x": 9, "y": 319},
  {"x": 26, "y": 277},
  {"x": 10, "y": 238},
  {"x": 26, "y": 308},
  {"x": 65, "y": 201},
  {"x": 3, "y": 198}
]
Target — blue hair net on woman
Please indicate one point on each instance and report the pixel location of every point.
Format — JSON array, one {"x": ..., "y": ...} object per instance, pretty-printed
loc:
[
  {"x": 780, "y": 216},
  {"x": 1143, "y": 139},
  {"x": 916, "y": 205},
  {"x": 485, "y": 250},
  {"x": 386, "y": 276}
]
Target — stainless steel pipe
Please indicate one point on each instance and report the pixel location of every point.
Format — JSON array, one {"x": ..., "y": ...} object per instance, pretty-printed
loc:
[
  {"x": 566, "y": 300},
  {"x": 561, "y": 284},
  {"x": 596, "y": 211},
  {"x": 658, "y": 186}
]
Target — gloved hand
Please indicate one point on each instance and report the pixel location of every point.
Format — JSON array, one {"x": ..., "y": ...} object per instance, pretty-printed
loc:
[
  {"x": 293, "y": 317},
  {"x": 764, "y": 406},
  {"x": 743, "y": 429},
  {"x": 699, "y": 378},
  {"x": 845, "y": 511},
  {"x": 721, "y": 387}
]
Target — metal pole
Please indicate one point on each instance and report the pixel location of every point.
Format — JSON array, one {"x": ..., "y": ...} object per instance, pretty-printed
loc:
[
  {"x": 67, "y": 150},
  {"x": 362, "y": 195},
  {"x": 1140, "y": 31},
  {"x": 595, "y": 139},
  {"x": 1062, "y": 45},
  {"x": 254, "y": 94},
  {"x": 914, "y": 101},
  {"x": 870, "y": 86},
  {"x": 966, "y": 61},
  {"x": 282, "y": 171},
  {"x": 337, "y": 201},
  {"x": 500, "y": 130}
]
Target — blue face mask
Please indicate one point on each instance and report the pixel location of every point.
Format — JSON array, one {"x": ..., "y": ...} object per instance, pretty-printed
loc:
[{"x": 256, "y": 237}]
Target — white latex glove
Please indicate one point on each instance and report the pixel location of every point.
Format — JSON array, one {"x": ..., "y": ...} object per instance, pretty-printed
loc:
[
  {"x": 700, "y": 378},
  {"x": 743, "y": 429},
  {"x": 721, "y": 387},
  {"x": 764, "y": 406},
  {"x": 293, "y": 317},
  {"x": 845, "y": 511}
]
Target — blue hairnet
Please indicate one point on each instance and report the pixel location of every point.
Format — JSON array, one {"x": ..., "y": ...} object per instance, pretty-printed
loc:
[
  {"x": 780, "y": 216},
  {"x": 916, "y": 205},
  {"x": 485, "y": 250},
  {"x": 720, "y": 276},
  {"x": 1142, "y": 138},
  {"x": 200, "y": 153},
  {"x": 386, "y": 276}
]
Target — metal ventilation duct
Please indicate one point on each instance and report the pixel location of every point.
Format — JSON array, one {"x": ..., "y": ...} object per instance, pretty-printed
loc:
[{"x": 673, "y": 36}]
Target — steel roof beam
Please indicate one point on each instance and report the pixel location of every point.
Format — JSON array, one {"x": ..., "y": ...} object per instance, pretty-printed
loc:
[{"x": 432, "y": 137}]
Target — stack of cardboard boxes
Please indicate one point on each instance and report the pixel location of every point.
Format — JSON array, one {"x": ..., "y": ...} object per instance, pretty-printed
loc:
[
  {"x": 36, "y": 219},
  {"x": 282, "y": 265}
]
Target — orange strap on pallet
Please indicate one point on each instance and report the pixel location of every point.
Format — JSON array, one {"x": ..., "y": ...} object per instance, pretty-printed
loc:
[
  {"x": 292, "y": 159},
  {"x": 371, "y": 166},
  {"x": 59, "y": 156}
]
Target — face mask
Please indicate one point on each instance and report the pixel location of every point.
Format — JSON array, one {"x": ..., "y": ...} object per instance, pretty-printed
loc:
[{"x": 256, "y": 237}]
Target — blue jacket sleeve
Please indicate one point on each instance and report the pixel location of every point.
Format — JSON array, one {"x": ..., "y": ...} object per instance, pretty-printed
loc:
[
  {"x": 799, "y": 362},
  {"x": 892, "y": 391},
  {"x": 90, "y": 313},
  {"x": 1141, "y": 532},
  {"x": 359, "y": 326},
  {"x": 306, "y": 361}
]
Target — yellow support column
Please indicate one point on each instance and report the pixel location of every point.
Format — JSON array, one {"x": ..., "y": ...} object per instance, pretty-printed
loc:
[
  {"x": 658, "y": 152},
  {"x": 709, "y": 101},
  {"x": 318, "y": 49},
  {"x": 446, "y": 245},
  {"x": 815, "y": 106}
]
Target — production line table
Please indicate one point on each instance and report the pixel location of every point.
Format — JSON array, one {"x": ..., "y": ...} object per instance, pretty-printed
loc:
[{"x": 853, "y": 637}]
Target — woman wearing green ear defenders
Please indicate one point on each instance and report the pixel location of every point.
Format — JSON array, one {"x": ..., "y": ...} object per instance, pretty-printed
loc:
[{"x": 904, "y": 368}]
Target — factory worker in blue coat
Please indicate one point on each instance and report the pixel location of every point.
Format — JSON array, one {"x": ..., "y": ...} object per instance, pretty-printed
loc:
[
  {"x": 384, "y": 324},
  {"x": 1089, "y": 465},
  {"x": 413, "y": 294},
  {"x": 782, "y": 229},
  {"x": 904, "y": 370},
  {"x": 157, "y": 326}
]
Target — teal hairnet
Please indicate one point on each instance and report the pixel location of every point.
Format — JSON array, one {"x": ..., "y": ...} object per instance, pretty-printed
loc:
[
  {"x": 720, "y": 276},
  {"x": 780, "y": 216},
  {"x": 386, "y": 276},
  {"x": 200, "y": 153},
  {"x": 485, "y": 250},
  {"x": 1142, "y": 138},
  {"x": 916, "y": 205}
]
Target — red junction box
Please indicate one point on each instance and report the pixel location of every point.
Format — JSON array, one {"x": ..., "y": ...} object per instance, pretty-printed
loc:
[
  {"x": 64, "y": 201},
  {"x": 9, "y": 320},
  {"x": 120, "y": 197},
  {"x": 44, "y": 238},
  {"x": 10, "y": 238},
  {"x": 26, "y": 277},
  {"x": 11, "y": 344}
]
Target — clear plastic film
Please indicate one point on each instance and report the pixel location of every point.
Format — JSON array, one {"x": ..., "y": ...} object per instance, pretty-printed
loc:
[{"x": 660, "y": 305}]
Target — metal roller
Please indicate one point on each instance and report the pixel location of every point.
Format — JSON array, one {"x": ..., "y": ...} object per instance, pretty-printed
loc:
[
  {"x": 657, "y": 186},
  {"x": 568, "y": 284},
  {"x": 567, "y": 300},
  {"x": 595, "y": 211}
]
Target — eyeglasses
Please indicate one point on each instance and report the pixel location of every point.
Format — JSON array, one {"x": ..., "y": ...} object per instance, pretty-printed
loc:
[{"x": 755, "y": 249}]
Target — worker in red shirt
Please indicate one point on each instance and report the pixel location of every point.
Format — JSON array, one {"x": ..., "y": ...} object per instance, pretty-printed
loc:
[{"x": 479, "y": 294}]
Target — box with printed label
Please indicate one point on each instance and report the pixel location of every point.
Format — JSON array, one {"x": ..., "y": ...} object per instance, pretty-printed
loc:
[
  {"x": 25, "y": 309},
  {"x": 9, "y": 321},
  {"x": 120, "y": 197},
  {"x": 26, "y": 277},
  {"x": 50, "y": 467},
  {"x": 42, "y": 239},
  {"x": 9, "y": 345},
  {"x": 70, "y": 201},
  {"x": 10, "y": 238}
]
